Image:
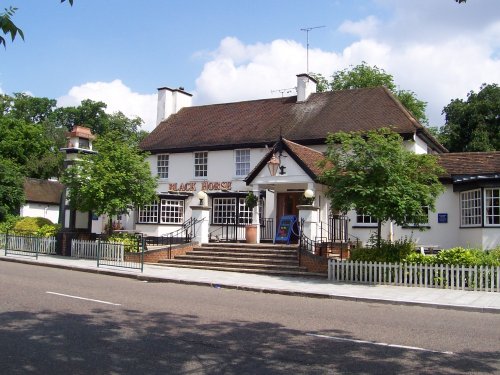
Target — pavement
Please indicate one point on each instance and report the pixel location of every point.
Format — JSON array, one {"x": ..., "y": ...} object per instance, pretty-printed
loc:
[{"x": 488, "y": 302}]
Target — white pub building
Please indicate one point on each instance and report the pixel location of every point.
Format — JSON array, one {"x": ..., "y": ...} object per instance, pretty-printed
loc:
[{"x": 208, "y": 158}]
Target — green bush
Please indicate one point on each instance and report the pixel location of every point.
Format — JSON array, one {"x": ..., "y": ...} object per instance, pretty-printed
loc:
[
  {"x": 8, "y": 224},
  {"x": 130, "y": 241},
  {"x": 458, "y": 256},
  {"x": 48, "y": 230},
  {"x": 388, "y": 251},
  {"x": 31, "y": 225}
]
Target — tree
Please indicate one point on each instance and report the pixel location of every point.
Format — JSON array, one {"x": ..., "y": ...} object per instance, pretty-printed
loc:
[
  {"x": 9, "y": 28},
  {"x": 363, "y": 75},
  {"x": 22, "y": 143},
  {"x": 113, "y": 181},
  {"x": 474, "y": 124},
  {"x": 374, "y": 173},
  {"x": 11, "y": 188}
]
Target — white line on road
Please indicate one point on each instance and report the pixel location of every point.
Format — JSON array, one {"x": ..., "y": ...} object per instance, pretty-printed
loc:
[
  {"x": 85, "y": 299},
  {"x": 377, "y": 343}
]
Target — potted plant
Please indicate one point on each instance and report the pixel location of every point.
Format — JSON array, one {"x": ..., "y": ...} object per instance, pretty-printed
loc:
[{"x": 251, "y": 201}]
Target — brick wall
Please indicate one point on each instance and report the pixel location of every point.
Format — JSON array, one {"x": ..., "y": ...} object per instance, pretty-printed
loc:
[
  {"x": 153, "y": 256},
  {"x": 313, "y": 263}
]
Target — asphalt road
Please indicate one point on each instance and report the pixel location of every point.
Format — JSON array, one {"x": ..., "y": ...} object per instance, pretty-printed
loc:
[{"x": 55, "y": 321}]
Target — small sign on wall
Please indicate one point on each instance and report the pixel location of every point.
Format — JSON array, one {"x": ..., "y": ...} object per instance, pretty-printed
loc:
[{"x": 442, "y": 218}]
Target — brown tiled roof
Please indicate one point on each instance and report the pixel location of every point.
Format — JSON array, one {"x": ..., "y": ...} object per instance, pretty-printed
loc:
[
  {"x": 470, "y": 163},
  {"x": 43, "y": 191},
  {"x": 259, "y": 122},
  {"x": 307, "y": 155}
]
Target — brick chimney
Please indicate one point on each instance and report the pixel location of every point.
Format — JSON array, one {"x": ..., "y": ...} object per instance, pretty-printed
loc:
[
  {"x": 171, "y": 101},
  {"x": 306, "y": 85}
]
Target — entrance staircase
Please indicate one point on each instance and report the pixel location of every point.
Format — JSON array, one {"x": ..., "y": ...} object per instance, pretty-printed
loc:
[{"x": 266, "y": 259}]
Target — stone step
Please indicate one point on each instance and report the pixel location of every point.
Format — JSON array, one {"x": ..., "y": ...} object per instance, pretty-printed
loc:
[
  {"x": 233, "y": 265},
  {"x": 233, "y": 259},
  {"x": 273, "y": 272},
  {"x": 244, "y": 253},
  {"x": 265, "y": 246}
]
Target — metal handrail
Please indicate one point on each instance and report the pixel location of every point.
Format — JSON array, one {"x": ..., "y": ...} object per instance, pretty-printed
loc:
[{"x": 188, "y": 230}]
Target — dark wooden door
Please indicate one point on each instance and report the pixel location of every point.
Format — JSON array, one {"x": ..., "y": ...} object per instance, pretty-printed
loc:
[{"x": 287, "y": 204}]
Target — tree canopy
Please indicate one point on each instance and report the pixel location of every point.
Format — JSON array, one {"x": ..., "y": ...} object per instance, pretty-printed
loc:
[
  {"x": 11, "y": 188},
  {"x": 33, "y": 130},
  {"x": 473, "y": 124},
  {"x": 113, "y": 181},
  {"x": 363, "y": 75},
  {"x": 375, "y": 174}
]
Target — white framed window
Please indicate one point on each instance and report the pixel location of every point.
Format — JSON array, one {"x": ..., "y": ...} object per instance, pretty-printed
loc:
[
  {"x": 492, "y": 206},
  {"x": 363, "y": 219},
  {"x": 425, "y": 219},
  {"x": 148, "y": 213},
  {"x": 244, "y": 213},
  {"x": 172, "y": 211},
  {"x": 162, "y": 165},
  {"x": 223, "y": 210},
  {"x": 228, "y": 210},
  {"x": 470, "y": 208},
  {"x": 242, "y": 162},
  {"x": 200, "y": 164}
]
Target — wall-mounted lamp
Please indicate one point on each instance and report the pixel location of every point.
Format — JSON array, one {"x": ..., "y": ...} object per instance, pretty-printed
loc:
[
  {"x": 201, "y": 196},
  {"x": 309, "y": 196},
  {"x": 273, "y": 165}
]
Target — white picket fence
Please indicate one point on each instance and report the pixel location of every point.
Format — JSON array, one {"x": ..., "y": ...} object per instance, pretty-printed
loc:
[
  {"x": 29, "y": 244},
  {"x": 92, "y": 249},
  {"x": 480, "y": 278}
]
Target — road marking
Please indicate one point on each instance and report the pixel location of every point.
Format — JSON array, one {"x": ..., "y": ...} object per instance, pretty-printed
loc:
[
  {"x": 377, "y": 343},
  {"x": 85, "y": 299}
]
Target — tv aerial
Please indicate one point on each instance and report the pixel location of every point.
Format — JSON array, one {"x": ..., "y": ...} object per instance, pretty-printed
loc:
[
  {"x": 307, "y": 29},
  {"x": 284, "y": 91}
]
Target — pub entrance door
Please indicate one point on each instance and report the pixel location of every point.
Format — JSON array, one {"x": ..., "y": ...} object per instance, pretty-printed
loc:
[{"x": 287, "y": 205}]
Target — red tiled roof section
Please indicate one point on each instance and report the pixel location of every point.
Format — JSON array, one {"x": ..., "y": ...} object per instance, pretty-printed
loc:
[
  {"x": 81, "y": 131},
  {"x": 309, "y": 157},
  {"x": 470, "y": 163},
  {"x": 260, "y": 121},
  {"x": 43, "y": 191}
]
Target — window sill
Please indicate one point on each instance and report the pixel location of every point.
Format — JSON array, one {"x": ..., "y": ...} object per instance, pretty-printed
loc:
[
  {"x": 416, "y": 227},
  {"x": 367, "y": 226}
]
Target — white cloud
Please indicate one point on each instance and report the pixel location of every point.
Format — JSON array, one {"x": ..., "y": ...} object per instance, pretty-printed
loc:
[
  {"x": 240, "y": 72},
  {"x": 118, "y": 97},
  {"x": 439, "y": 51},
  {"x": 364, "y": 28}
]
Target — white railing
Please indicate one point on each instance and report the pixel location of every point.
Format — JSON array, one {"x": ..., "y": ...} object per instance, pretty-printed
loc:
[
  {"x": 94, "y": 249},
  {"x": 479, "y": 278},
  {"x": 31, "y": 244}
]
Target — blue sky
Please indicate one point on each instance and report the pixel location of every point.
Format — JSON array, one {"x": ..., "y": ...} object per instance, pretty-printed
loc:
[{"x": 226, "y": 50}]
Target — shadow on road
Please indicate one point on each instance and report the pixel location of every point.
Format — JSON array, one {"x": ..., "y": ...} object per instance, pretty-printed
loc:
[{"x": 116, "y": 341}]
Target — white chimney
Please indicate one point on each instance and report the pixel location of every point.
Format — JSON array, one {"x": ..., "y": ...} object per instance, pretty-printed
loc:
[
  {"x": 306, "y": 85},
  {"x": 171, "y": 101}
]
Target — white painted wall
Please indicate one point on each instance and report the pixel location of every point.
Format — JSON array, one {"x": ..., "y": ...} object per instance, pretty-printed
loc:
[{"x": 50, "y": 212}]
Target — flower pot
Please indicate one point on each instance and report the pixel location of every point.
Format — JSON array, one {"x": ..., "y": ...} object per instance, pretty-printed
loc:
[{"x": 251, "y": 233}]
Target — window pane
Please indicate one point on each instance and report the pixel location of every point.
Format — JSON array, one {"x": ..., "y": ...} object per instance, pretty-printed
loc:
[
  {"x": 162, "y": 165},
  {"x": 200, "y": 164},
  {"x": 242, "y": 162},
  {"x": 148, "y": 213},
  {"x": 245, "y": 214},
  {"x": 492, "y": 206},
  {"x": 172, "y": 211},
  {"x": 224, "y": 210},
  {"x": 470, "y": 208},
  {"x": 361, "y": 218}
]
